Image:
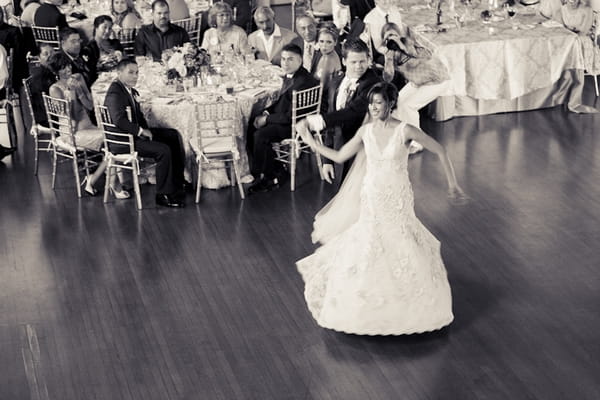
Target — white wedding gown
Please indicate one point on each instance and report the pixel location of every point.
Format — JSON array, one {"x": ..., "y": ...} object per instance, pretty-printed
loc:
[{"x": 383, "y": 275}]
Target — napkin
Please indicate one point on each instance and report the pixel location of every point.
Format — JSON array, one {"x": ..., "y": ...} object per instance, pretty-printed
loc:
[{"x": 551, "y": 24}]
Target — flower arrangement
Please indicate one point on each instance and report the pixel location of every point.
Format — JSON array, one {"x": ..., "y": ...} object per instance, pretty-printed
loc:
[{"x": 185, "y": 60}]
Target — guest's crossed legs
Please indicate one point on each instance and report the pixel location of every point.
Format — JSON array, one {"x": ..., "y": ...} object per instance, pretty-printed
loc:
[
  {"x": 166, "y": 149},
  {"x": 263, "y": 154}
]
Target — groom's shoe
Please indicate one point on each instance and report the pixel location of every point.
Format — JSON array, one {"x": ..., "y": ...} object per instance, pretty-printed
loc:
[
  {"x": 167, "y": 200},
  {"x": 6, "y": 151},
  {"x": 262, "y": 186}
]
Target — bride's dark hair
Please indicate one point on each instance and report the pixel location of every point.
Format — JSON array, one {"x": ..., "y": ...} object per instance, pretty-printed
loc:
[{"x": 388, "y": 91}]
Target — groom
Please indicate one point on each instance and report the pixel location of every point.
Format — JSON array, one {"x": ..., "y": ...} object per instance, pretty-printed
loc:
[{"x": 347, "y": 101}]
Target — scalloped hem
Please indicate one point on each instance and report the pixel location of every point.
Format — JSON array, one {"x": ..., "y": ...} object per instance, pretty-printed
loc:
[{"x": 389, "y": 333}]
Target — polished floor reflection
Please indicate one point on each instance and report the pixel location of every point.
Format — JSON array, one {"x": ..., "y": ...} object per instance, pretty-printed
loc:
[{"x": 105, "y": 302}]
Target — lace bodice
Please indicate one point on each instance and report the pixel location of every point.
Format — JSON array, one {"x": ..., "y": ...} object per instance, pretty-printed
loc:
[{"x": 386, "y": 193}]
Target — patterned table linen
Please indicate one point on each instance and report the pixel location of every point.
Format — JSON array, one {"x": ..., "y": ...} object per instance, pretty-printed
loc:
[{"x": 493, "y": 61}]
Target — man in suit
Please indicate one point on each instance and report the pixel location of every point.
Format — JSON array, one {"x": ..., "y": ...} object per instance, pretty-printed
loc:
[
  {"x": 48, "y": 15},
  {"x": 275, "y": 123},
  {"x": 306, "y": 27},
  {"x": 41, "y": 80},
  {"x": 12, "y": 39},
  {"x": 161, "y": 144},
  {"x": 347, "y": 100},
  {"x": 70, "y": 44},
  {"x": 4, "y": 151},
  {"x": 160, "y": 35},
  {"x": 270, "y": 38}
]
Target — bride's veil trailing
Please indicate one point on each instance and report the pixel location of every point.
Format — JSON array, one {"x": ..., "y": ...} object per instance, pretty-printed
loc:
[{"x": 343, "y": 210}]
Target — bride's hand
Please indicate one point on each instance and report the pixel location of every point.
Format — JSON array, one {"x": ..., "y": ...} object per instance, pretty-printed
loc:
[{"x": 457, "y": 196}]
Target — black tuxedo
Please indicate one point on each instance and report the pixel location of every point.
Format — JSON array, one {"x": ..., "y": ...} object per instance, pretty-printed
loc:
[
  {"x": 165, "y": 147},
  {"x": 48, "y": 15},
  {"x": 350, "y": 118},
  {"x": 79, "y": 66},
  {"x": 279, "y": 124},
  {"x": 11, "y": 38},
  {"x": 41, "y": 80}
]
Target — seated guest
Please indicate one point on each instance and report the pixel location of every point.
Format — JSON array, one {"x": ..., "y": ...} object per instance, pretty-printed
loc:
[
  {"x": 270, "y": 38},
  {"x": 179, "y": 9},
  {"x": 70, "y": 44},
  {"x": 69, "y": 88},
  {"x": 275, "y": 123},
  {"x": 426, "y": 74},
  {"x": 48, "y": 15},
  {"x": 4, "y": 151},
  {"x": 242, "y": 13},
  {"x": 124, "y": 14},
  {"x": 29, "y": 8},
  {"x": 329, "y": 61},
  {"x": 347, "y": 101},
  {"x": 103, "y": 53},
  {"x": 384, "y": 12},
  {"x": 577, "y": 17},
  {"x": 161, "y": 144},
  {"x": 12, "y": 39},
  {"x": 306, "y": 27},
  {"x": 42, "y": 78},
  {"x": 223, "y": 36},
  {"x": 160, "y": 35}
]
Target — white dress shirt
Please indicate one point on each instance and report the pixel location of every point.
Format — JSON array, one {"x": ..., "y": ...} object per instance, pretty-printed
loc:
[{"x": 269, "y": 42}]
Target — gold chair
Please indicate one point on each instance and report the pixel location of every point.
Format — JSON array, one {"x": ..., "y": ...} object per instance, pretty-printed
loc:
[
  {"x": 42, "y": 136},
  {"x": 64, "y": 143},
  {"x": 192, "y": 25},
  {"x": 304, "y": 102},
  {"x": 128, "y": 160},
  {"x": 215, "y": 140},
  {"x": 127, "y": 39},
  {"x": 48, "y": 35}
]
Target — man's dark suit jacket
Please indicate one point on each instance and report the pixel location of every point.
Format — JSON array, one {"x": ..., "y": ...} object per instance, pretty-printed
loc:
[
  {"x": 117, "y": 100},
  {"x": 48, "y": 15},
  {"x": 79, "y": 66},
  {"x": 41, "y": 80},
  {"x": 11, "y": 38},
  {"x": 281, "y": 112},
  {"x": 349, "y": 118}
]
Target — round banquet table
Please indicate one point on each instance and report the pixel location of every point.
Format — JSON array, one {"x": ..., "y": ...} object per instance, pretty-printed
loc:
[{"x": 163, "y": 106}]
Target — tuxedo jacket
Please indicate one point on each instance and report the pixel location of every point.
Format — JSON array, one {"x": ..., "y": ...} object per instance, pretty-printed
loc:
[
  {"x": 80, "y": 66},
  {"x": 349, "y": 118},
  {"x": 117, "y": 100},
  {"x": 286, "y": 37},
  {"x": 281, "y": 112},
  {"x": 48, "y": 15}
]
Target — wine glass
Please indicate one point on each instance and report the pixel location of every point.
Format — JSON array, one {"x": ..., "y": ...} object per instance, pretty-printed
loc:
[{"x": 511, "y": 12}]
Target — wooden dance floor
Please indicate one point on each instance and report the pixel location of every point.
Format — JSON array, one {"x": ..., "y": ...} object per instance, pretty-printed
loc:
[{"x": 102, "y": 302}]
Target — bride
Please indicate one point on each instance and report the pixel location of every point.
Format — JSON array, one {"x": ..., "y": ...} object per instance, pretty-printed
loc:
[{"x": 379, "y": 270}]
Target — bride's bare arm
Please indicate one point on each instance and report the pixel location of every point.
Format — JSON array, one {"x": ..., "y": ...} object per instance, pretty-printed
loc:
[
  {"x": 413, "y": 133},
  {"x": 338, "y": 156}
]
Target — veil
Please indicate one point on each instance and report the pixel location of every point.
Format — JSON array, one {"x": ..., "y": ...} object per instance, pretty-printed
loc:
[{"x": 343, "y": 210}]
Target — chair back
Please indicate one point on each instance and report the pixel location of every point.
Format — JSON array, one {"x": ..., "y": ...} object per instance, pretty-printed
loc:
[
  {"x": 127, "y": 39},
  {"x": 111, "y": 137},
  {"x": 192, "y": 25},
  {"x": 42, "y": 34},
  {"x": 304, "y": 103},
  {"x": 217, "y": 126},
  {"x": 59, "y": 121},
  {"x": 27, "y": 88},
  {"x": 8, "y": 86}
]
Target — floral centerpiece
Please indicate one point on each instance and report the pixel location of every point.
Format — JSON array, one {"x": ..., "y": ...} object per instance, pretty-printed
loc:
[{"x": 184, "y": 61}]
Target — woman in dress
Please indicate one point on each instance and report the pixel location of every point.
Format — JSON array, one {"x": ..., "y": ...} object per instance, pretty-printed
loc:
[
  {"x": 29, "y": 8},
  {"x": 223, "y": 36},
  {"x": 72, "y": 87},
  {"x": 102, "y": 52},
  {"x": 125, "y": 15},
  {"x": 329, "y": 63},
  {"x": 394, "y": 282}
]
